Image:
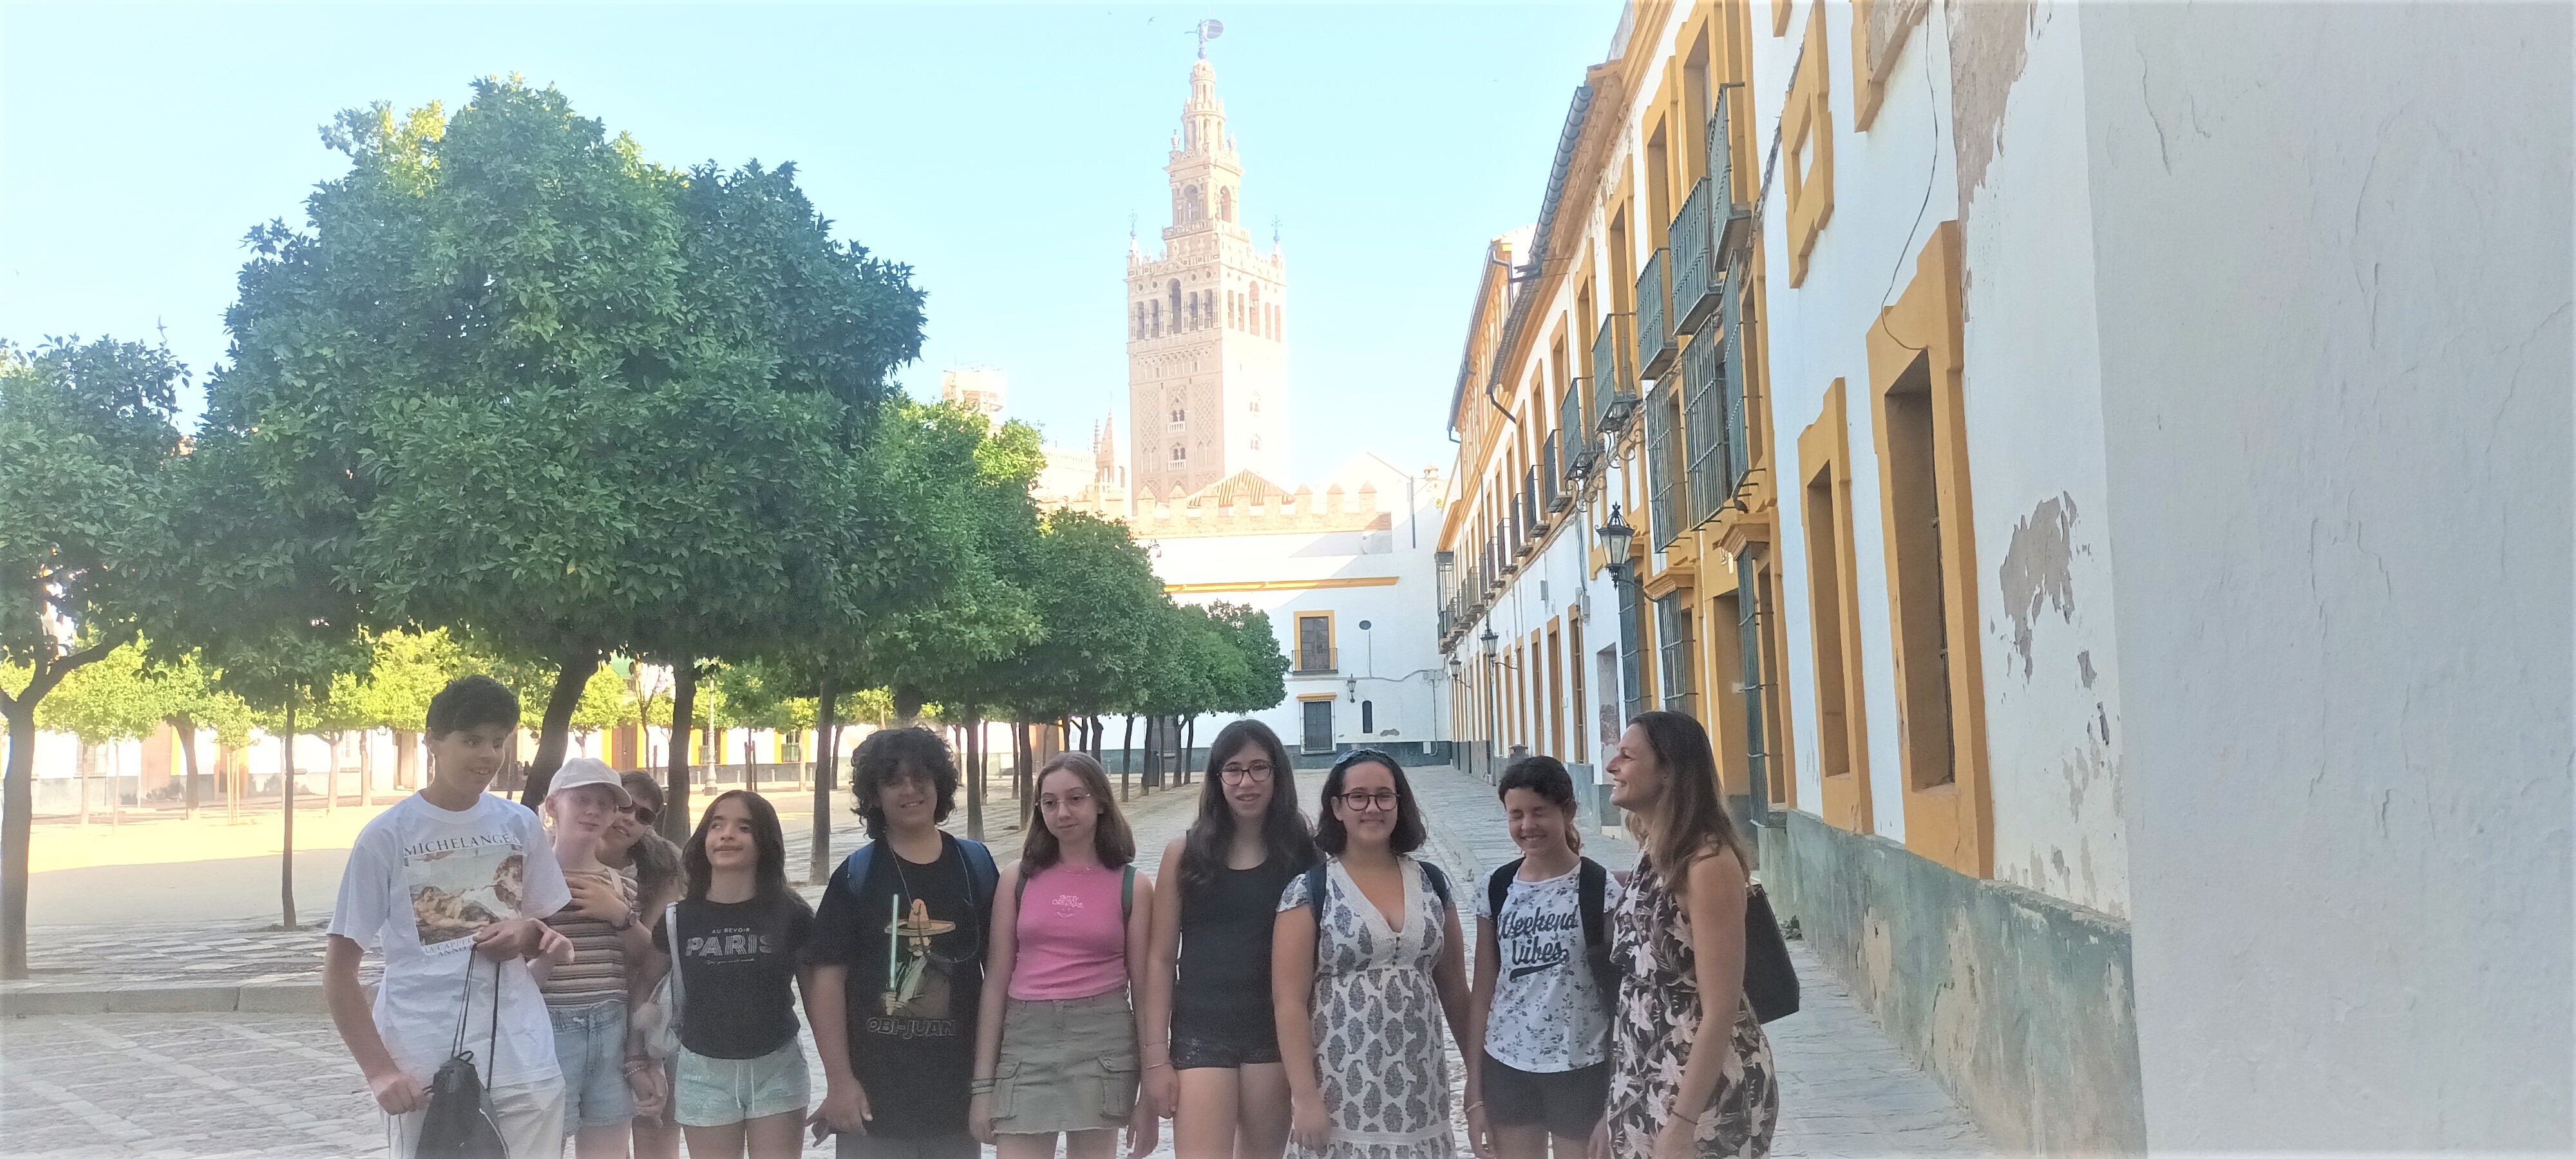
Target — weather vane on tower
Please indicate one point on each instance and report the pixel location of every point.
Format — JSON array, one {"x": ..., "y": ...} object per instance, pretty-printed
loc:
[{"x": 1209, "y": 30}]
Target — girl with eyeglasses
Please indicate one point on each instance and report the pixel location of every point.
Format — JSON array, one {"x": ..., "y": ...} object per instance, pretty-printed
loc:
[
  {"x": 1690, "y": 1070},
  {"x": 1221, "y": 1082},
  {"x": 1366, "y": 948},
  {"x": 1055, "y": 1041}
]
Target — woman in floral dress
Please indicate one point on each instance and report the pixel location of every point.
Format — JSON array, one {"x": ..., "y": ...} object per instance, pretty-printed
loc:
[
  {"x": 1362, "y": 970},
  {"x": 1678, "y": 936}
]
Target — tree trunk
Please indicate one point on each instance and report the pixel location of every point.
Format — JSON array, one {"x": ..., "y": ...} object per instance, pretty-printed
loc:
[
  {"x": 1126, "y": 756},
  {"x": 366, "y": 767},
  {"x": 187, "y": 730},
  {"x": 286, "y": 859},
  {"x": 675, "y": 786},
  {"x": 331, "y": 777},
  {"x": 406, "y": 760},
  {"x": 17, "y": 797},
  {"x": 827, "y": 719},
  {"x": 974, "y": 783},
  {"x": 750, "y": 762},
  {"x": 1189, "y": 745},
  {"x": 556, "y": 730}
]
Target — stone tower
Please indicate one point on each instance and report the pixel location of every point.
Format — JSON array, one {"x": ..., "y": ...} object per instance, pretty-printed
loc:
[{"x": 1207, "y": 366}]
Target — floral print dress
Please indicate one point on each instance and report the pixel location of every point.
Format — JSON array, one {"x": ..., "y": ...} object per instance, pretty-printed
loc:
[
  {"x": 1377, "y": 1020},
  {"x": 1659, "y": 1017}
]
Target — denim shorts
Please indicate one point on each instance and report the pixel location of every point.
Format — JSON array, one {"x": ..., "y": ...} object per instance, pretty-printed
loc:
[
  {"x": 590, "y": 1046},
  {"x": 719, "y": 1092}
]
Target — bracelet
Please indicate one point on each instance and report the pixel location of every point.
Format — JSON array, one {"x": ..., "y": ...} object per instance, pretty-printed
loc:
[
  {"x": 627, "y": 924},
  {"x": 1471, "y": 1107},
  {"x": 980, "y": 1087},
  {"x": 1158, "y": 1066}
]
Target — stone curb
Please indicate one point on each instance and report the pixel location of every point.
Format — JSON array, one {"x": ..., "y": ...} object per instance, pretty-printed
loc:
[{"x": 157, "y": 998}]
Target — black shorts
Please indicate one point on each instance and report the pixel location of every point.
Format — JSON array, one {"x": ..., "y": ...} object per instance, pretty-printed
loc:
[
  {"x": 1197, "y": 1048},
  {"x": 1568, "y": 1102}
]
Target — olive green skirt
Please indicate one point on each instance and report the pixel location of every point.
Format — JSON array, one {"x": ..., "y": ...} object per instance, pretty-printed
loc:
[{"x": 1067, "y": 1065}]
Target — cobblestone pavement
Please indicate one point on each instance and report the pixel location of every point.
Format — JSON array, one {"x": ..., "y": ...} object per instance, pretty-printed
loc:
[{"x": 280, "y": 1085}]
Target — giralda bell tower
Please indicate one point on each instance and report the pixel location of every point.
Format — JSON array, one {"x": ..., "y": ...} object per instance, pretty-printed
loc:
[{"x": 1207, "y": 363}]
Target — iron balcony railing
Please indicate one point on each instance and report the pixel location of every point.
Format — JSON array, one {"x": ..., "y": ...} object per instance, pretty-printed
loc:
[
  {"x": 1656, "y": 342},
  {"x": 1551, "y": 480},
  {"x": 1614, "y": 374},
  {"x": 1696, "y": 271},
  {"x": 1582, "y": 444},
  {"x": 1663, "y": 489},
  {"x": 1704, "y": 426},
  {"x": 1731, "y": 213},
  {"x": 1315, "y": 661}
]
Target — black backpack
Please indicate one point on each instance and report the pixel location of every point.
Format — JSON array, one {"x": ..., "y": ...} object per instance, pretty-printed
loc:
[
  {"x": 1594, "y": 890},
  {"x": 455, "y": 1125}
]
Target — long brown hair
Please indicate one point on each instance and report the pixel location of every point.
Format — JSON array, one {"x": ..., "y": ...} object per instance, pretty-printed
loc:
[
  {"x": 1688, "y": 819},
  {"x": 1111, "y": 839},
  {"x": 1284, "y": 831}
]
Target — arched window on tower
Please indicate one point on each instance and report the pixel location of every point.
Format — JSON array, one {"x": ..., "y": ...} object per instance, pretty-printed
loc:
[
  {"x": 1225, "y": 205},
  {"x": 1256, "y": 308},
  {"x": 1277, "y": 322},
  {"x": 1180, "y": 455},
  {"x": 1139, "y": 326},
  {"x": 1190, "y": 201},
  {"x": 1155, "y": 317},
  {"x": 1176, "y": 305}
]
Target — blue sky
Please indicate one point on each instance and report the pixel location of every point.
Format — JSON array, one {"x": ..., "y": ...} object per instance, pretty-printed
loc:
[{"x": 998, "y": 149}]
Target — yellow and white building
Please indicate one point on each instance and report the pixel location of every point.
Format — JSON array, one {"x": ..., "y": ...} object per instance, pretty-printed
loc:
[{"x": 2102, "y": 475}]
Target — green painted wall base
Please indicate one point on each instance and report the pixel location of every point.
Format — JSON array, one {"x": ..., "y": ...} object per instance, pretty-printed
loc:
[{"x": 2018, "y": 1004}]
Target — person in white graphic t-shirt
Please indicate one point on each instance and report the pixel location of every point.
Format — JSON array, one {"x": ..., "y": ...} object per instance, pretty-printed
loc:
[
  {"x": 1538, "y": 1059},
  {"x": 452, "y": 884}
]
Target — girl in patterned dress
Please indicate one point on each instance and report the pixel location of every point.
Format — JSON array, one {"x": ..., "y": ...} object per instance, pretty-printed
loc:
[
  {"x": 1364, "y": 952},
  {"x": 1678, "y": 936}
]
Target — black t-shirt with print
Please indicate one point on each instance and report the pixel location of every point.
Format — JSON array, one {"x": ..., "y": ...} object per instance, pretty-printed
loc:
[
  {"x": 912, "y": 990},
  {"x": 738, "y": 968}
]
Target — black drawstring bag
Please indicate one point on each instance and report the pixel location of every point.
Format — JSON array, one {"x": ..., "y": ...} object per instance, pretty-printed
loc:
[
  {"x": 456, "y": 1126},
  {"x": 1770, "y": 982}
]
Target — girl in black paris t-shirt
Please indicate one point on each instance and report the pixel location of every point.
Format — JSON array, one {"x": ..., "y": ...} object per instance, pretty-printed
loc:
[{"x": 741, "y": 1085}]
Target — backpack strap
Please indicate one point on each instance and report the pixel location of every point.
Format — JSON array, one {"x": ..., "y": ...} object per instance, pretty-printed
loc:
[
  {"x": 1315, "y": 887},
  {"x": 1127, "y": 892},
  {"x": 671, "y": 933},
  {"x": 854, "y": 868},
  {"x": 1439, "y": 883},
  {"x": 1498, "y": 887},
  {"x": 1594, "y": 885},
  {"x": 982, "y": 876}
]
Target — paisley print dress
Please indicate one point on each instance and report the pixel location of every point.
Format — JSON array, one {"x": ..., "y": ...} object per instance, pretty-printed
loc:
[
  {"x": 1659, "y": 1017},
  {"x": 1377, "y": 1020}
]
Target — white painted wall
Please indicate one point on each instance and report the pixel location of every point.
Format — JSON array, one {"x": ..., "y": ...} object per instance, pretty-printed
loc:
[
  {"x": 2333, "y": 269},
  {"x": 1396, "y": 662}
]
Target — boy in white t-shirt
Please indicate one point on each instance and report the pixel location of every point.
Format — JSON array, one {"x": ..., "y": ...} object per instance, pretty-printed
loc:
[{"x": 452, "y": 885}]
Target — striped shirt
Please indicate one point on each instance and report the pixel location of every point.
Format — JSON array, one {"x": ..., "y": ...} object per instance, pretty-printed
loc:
[{"x": 597, "y": 972}]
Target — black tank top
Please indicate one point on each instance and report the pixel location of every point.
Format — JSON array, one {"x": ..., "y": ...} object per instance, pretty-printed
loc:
[{"x": 1223, "y": 991}]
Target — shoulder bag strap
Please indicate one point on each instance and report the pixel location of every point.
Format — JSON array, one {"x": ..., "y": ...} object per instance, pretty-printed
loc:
[
  {"x": 1498, "y": 887},
  {"x": 671, "y": 934},
  {"x": 1127, "y": 893},
  {"x": 1595, "y": 889}
]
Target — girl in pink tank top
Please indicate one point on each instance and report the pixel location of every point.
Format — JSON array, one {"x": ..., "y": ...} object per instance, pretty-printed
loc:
[{"x": 1055, "y": 1043}]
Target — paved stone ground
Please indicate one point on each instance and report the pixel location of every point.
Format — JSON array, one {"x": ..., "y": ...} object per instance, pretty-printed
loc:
[{"x": 280, "y": 1085}]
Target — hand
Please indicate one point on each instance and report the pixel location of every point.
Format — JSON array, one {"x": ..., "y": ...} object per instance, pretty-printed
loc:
[
  {"x": 1480, "y": 1134},
  {"x": 979, "y": 1118},
  {"x": 845, "y": 1109},
  {"x": 1144, "y": 1129},
  {"x": 552, "y": 946},
  {"x": 645, "y": 1083},
  {"x": 1676, "y": 1141},
  {"x": 397, "y": 1093},
  {"x": 1600, "y": 1147},
  {"x": 504, "y": 940},
  {"x": 597, "y": 899},
  {"x": 1309, "y": 1125},
  {"x": 1162, "y": 1090}
]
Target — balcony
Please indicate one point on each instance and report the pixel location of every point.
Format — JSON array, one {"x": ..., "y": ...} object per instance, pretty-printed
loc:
[
  {"x": 1656, "y": 342},
  {"x": 1733, "y": 220},
  {"x": 1550, "y": 480},
  {"x": 1696, "y": 264},
  {"x": 1664, "y": 495},
  {"x": 1580, "y": 444},
  {"x": 1704, "y": 424},
  {"x": 1614, "y": 374},
  {"x": 1315, "y": 662}
]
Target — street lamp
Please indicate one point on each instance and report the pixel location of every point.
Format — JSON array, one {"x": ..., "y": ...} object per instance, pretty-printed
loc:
[
  {"x": 1489, "y": 639},
  {"x": 1616, "y": 536}
]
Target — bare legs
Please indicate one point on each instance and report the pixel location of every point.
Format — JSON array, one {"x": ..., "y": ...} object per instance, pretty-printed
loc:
[
  {"x": 1100, "y": 1144},
  {"x": 1227, "y": 1111},
  {"x": 767, "y": 1137}
]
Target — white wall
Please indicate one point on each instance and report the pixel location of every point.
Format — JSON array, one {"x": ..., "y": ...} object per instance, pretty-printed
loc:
[{"x": 2333, "y": 269}]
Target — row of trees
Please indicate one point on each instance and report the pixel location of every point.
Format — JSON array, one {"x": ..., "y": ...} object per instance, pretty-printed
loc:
[{"x": 515, "y": 390}]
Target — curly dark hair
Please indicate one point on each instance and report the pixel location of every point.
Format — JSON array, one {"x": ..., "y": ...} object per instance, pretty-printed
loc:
[
  {"x": 472, "y": 702},
  {"x": 891, "y": 754}
]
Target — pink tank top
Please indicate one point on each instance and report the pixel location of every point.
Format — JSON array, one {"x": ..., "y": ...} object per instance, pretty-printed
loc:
[{"x": 1073, "y": 934}]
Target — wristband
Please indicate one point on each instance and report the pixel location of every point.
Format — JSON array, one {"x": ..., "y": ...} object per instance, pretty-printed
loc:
[{"x": 980, "y": 1087}]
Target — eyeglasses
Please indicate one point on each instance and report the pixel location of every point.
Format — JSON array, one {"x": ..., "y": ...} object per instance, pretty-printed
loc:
[
  {"x": 643, "y": 814},
  {"x": 1251, "y": 774},
  {"x": 1382, "y": 800}
]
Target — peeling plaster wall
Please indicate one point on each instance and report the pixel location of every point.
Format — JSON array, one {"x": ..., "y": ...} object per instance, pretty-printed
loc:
[
  {"x": 2336, "y": 246},
  {"x": 2032, "y": 358}
]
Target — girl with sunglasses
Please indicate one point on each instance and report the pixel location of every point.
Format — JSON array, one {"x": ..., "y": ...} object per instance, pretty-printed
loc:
[
  {"x": 1207, "y": 982},
  {"x": 651, "y": 866},
  {"x": 1365, "y": 949}
]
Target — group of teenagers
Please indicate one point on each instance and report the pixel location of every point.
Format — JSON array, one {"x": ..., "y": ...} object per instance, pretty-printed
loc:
[{"x": 1283, "y": 989}]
